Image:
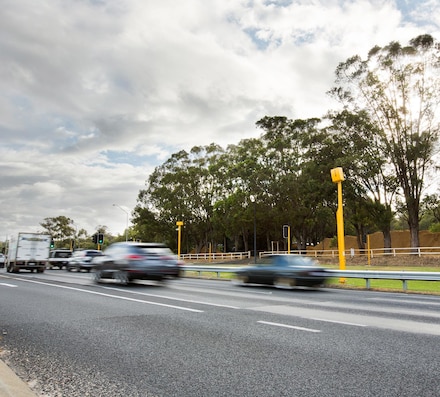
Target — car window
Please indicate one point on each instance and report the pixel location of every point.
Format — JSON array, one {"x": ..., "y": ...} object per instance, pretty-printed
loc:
[
  {"x": 280, "y": 260},
  {"x": 154, "y": 250},
  {"x": 62, "y": 254},
  {"x": 301, "y": 261},
  {"x": 94, "y": 253}
]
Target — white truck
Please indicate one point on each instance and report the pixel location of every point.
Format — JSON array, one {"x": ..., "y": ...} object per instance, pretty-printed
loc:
[{"x": 28, "y": 251}]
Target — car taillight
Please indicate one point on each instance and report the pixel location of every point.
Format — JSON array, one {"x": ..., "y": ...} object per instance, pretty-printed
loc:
[{"x": 134, "y": 257}]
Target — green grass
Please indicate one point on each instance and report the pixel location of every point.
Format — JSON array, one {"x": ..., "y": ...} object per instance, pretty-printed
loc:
[
  {"x": 427, "y": 287},
  {"x": 422, "y": 287}
]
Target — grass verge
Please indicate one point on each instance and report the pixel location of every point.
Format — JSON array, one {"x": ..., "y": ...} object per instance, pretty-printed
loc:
[{"x": 413, "y": 286}]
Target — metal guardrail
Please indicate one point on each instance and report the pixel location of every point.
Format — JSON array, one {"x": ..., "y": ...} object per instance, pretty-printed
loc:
[{"x": 367, "y": 275}]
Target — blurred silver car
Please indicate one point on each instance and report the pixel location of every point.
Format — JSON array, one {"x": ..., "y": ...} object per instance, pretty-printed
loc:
[
  {"x": 125, "y": 262},
  {"x": 2, "y": 260},
  {"x": 82, "y": 260}
]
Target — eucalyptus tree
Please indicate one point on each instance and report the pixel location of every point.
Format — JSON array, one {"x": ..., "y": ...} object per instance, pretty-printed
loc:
[
  {"x": 294, "y": 189},
  {"x": 60, "y": 228},
  {"x": 371, "y": 182},
  {"x": 242, "y": 178},
  {"x": 184, "y": 188},
  {"x": 399, "y": 87}
]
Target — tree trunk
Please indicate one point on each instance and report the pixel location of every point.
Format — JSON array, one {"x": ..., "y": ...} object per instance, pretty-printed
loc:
[
  {"x": 387, "y": 240},
  {"x": 413, "y": 223}
]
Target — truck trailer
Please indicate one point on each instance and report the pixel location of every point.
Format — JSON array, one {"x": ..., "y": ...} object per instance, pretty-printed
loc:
[{"x": 28, "y": 251}]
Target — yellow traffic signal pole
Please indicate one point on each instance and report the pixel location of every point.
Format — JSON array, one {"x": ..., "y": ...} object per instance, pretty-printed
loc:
[
  {"x": 337, "y": 177},
  {"x": 368, "y": 250},
  {"x": 179, "y": 236},
  {"x": 288, "y": 239}
]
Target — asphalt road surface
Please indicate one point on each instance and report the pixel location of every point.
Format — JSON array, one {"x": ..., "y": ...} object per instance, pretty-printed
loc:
[{"x": 66, "y": 336}]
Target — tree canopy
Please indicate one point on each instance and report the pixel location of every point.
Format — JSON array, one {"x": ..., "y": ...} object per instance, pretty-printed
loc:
[{"x": 384, "y": 138}]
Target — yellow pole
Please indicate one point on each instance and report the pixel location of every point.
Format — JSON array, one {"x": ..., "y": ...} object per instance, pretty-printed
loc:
[
  {"x": 368, "y": 250},
  {"x": 337, "y": 177},
  {"x": 340, "y": 225},
  {"x": 179, "y": 236},
  {"x": 288, "y": 239}
]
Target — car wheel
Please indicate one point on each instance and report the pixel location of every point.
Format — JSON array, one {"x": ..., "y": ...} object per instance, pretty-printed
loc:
[
  {"x": 121, "y": 277},
  {"x": 97, "y": 276},
  {"x": 241, "y": 280},
  {"x": 284, "y": 282}
]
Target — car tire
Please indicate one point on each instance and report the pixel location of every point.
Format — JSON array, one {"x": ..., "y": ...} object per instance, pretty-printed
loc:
[
  {"x": 241, "y": 280},
  {"x": 284, "y": 282},
  {"x": 121, "y": 277},
  {"x": 97, "y": 277}
]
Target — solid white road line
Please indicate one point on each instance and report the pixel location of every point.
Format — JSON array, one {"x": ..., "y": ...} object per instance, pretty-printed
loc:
[
  {"x": 113, "y": 296},
  {"x": 174, "y": 299},
  {"x": 289, "y": 326}
]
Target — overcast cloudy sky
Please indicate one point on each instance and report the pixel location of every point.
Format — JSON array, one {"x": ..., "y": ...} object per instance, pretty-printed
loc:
[{"x": 96, "y": 93}]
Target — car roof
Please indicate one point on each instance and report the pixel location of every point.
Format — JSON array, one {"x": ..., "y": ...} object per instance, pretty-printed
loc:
[{"x": 140, "y": 244}]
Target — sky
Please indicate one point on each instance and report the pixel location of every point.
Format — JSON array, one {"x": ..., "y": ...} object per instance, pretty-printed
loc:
[{"x": 94, "y": 94}]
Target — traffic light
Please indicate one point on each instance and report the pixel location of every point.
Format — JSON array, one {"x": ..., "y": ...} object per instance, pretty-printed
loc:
[
  {"x": 52, "y": 243},
  {"x": 95, "y": 238},
  {"x": 286, "y": 231},
  {"x": 100, "y": 238}
]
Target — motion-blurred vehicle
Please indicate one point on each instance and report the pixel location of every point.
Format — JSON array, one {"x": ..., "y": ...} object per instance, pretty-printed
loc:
[
  {"x": 128, "y": 261},
  {"x": 2, "y": 260},
  {"x": 82, "y": 260},
  {"x": 58, "y": 258},
  {"x": 283, "y": 270},
  {"x": 28, "y": 251}
]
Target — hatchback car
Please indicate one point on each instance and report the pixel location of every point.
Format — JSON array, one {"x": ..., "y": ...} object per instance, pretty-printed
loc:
[
  {"x": 284, "y": 271},
  {"x": 82, "y": 260},
  {"x": 2, "y": 260},
  {"x": 125, "y": 262}
]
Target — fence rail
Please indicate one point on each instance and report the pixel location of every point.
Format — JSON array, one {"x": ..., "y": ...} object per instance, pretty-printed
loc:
[
  {"x": 216, "y": 256},
  {"x": 332, "y": 253},
  {"x": 376, "y": 252},
  {"x": 367, "y": 275}
]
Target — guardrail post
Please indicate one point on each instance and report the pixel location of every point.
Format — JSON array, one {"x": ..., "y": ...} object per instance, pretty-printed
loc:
[
  {"x": 367, "y": 280},
  {"x": 405, "y": 284}
]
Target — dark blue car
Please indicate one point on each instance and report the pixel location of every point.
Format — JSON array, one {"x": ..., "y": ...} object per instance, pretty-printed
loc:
[{"x": 284, "y": 270}]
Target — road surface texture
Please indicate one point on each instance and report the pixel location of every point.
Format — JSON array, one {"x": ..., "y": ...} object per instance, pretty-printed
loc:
[{"x": 66, "y": 336}]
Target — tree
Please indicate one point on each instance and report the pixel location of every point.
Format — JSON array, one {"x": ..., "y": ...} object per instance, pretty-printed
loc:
[
  {"x": 371, "y": 180},
  {"x": 60, "y": 228},
  {"x": 295, "y": 182},
  {"x": 185, "y": 188},
  {"x": 399, "y": 89}
]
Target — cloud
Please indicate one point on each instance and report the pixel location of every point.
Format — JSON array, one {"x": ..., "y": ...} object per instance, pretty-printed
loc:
[{"x": 95, "y": 94}]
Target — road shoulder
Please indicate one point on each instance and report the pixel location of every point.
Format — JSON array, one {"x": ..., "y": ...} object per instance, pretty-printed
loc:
[{"x": 11, "y": 385}]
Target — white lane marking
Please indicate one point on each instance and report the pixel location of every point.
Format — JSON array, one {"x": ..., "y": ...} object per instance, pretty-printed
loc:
[
  {"x": 421, "y": 301},
  {"x": 8, "y": 285},
  {"x": 289, "y": 326},
  {"x": 175, "y": 299},
  {"x": 337, "y": 322},
  {"x": 114, "y": 296}
]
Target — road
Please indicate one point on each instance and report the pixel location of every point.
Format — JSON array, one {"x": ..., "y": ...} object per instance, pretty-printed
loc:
[{"x": 66, "y": 336}]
